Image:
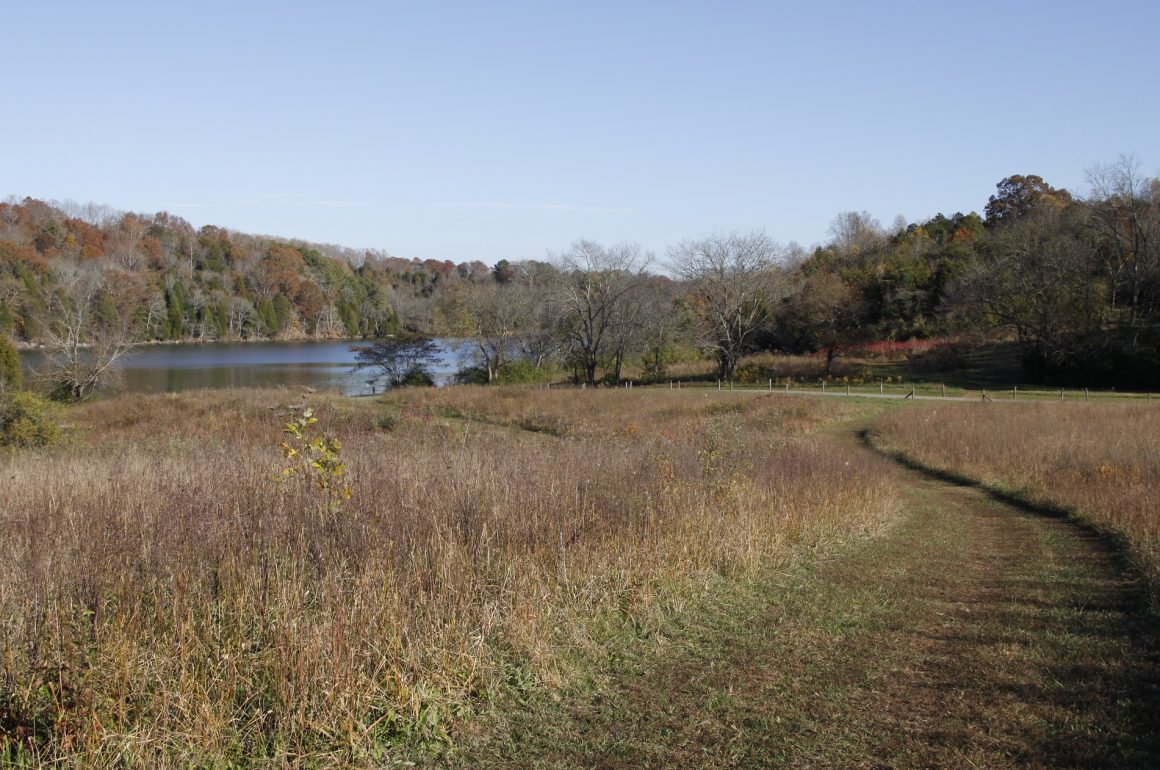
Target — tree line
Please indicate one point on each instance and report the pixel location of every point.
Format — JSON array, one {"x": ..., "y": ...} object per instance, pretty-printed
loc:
[{"x": 1073, "y": 280}]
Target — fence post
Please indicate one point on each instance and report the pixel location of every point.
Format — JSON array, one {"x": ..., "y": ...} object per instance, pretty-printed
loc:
[
  {"x": 881, "y": 388},
  {"x": 1015, "y": 393},
  {"x": 771, "y": 384},
  {"x": 942, "y": 388},
  {"x": 1061, "y": 395},
  {"x": 823, "y": 386},
  {"x": 847, "y": 388},
  {"x": 787, "y": 386},
  {"x": 1085, "y": 394},
  {"x": 718, "y": 384}
]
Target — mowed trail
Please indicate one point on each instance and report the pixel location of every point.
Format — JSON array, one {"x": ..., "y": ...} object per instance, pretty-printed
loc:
[{"x": 973, "y": 634}]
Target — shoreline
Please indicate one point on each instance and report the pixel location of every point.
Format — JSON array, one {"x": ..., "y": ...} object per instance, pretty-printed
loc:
[{"x": 40, "y": 346}]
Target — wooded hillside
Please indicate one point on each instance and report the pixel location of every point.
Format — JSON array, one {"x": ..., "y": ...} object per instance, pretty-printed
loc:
[{"x": 1074, "y": 281}]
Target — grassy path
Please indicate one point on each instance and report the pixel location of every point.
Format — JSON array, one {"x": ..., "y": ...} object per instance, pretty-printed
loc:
[{"x": 974, "y": 634}]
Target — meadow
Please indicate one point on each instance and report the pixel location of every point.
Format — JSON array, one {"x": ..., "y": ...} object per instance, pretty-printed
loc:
[
  {"x": 1098, "y": 461},
  {"x": 184, "y": 584}
]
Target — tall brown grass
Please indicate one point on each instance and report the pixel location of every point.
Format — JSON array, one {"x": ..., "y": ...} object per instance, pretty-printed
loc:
[
  {"x": 758, "y": 368},
  {"x": 1100, "y": 460},
  {"x": 166, "y": 602}
]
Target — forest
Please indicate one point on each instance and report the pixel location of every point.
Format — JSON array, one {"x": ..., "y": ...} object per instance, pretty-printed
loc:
[{"x": 1072, "y": 281}]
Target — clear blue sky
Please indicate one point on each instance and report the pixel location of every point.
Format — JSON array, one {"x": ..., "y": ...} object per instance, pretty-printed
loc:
[{"x": 490, "y": 130}]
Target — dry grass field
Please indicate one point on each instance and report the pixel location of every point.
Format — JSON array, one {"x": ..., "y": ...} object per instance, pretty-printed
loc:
[
  {"x": 171, "y": 599},
  {"x": 1101, "y": 461}
]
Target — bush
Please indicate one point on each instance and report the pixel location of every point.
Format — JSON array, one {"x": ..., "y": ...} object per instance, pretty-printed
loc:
[
  {"x": 471, "y": 375},
  {"x": 521, "y": 372},
  {"x": 515, "y": 372},
  {"x": 11, "y": 377},
  {"x": 753, "y": 372},
  {"x": 27, "y": 420},
  {"x": 417, "y": 377}
]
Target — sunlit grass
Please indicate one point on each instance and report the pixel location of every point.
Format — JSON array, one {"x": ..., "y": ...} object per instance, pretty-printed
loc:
[
  {"x": 1100, "y": 460},
  {"x": 167, "y": 602}
]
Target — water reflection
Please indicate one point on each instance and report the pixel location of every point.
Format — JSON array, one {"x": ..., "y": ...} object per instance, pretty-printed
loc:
[{"x": 322, "y": 365}]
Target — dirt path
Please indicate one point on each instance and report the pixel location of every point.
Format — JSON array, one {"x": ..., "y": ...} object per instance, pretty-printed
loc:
[{"x": 974, "y": 634}]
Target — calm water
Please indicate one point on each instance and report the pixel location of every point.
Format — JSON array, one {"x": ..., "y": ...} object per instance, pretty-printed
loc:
[{"x": 322, "y": 365}]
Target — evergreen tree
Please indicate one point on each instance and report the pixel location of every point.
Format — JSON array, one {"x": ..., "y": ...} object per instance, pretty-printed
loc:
[{"x": 11, "y": 376}]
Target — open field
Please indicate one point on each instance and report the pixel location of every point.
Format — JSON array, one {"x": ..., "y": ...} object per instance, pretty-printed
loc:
[
  {"x": 1101, "y": 461},
  {"x": 168, "y": 602}
]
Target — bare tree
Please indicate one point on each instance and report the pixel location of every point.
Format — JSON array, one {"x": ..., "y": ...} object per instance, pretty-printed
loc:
[
  {"x": 492, "y": 317},
  {"x": 152, "y": 315},
  {"x": 594, "y": 286},
  {"x": 329, "y": 322},
  {"x": 855, "y": 231},
  {"x": 239, "y": 317},
  {"x": 1126, "y": 209},
  {"x": 80, "y": 353},
  {"x": 731, "y": 282}
]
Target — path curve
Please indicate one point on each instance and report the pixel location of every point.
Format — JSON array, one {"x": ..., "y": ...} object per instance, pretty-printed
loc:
[{"x": 973, "y": 634}]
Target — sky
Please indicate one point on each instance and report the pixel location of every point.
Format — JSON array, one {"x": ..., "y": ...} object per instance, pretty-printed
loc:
[{"x": 504, "y": 130}]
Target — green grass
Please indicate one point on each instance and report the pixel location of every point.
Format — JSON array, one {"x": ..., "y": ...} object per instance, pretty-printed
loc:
[
  {"x": 992, "y": 367},
  {"x": 901, "y": 389}
]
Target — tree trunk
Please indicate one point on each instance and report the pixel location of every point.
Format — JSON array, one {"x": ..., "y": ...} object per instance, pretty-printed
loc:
[{"x": 725, "y": 365}]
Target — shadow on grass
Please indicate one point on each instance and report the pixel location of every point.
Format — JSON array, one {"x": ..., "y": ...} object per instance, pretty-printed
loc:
[
  {"x": 1110, "y": 540},
  {"x": 1123, "y": 696}
]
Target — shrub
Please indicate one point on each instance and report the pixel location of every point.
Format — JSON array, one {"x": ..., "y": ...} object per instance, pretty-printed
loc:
[
  {"x": 26, "y": 420},
  {"x": 520, "y": 372},
  {"x": 11, "y": 376},
  {"x": 417, "y": 377},
  {"x": 516, "y": 372},
  {"x": 471, "y": 375},
  {"x": 751, "y": 372}
]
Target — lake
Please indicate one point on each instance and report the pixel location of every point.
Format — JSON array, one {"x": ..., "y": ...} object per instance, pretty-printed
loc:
[{"x": 322, "y": 365}]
